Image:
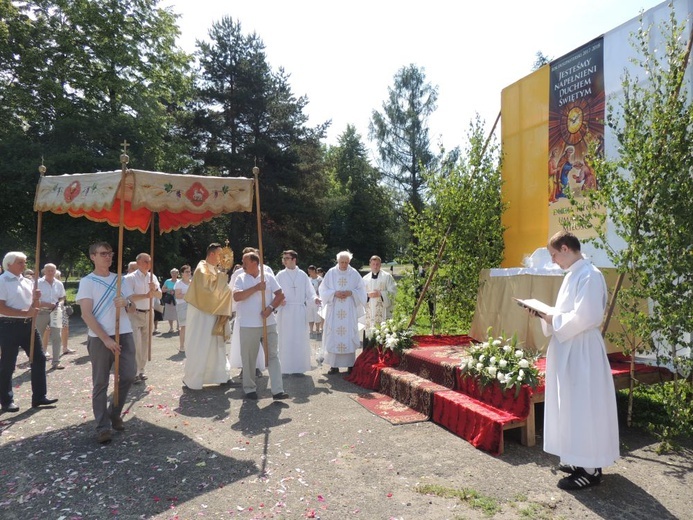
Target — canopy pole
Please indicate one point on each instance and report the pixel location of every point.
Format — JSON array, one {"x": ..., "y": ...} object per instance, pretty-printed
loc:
[
  {"x": 37, "y": 270},
  {"x": 124, "y": 159},
  {"x": 265, "y": 348},
  {"x": 151, "y": 279}
]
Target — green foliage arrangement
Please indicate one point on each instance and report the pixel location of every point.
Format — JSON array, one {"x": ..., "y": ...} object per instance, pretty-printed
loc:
[{"x": 463, "y": 210}]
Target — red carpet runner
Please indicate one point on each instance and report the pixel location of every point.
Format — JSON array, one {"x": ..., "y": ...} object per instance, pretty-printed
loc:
[{"x": 388, "y": 408}]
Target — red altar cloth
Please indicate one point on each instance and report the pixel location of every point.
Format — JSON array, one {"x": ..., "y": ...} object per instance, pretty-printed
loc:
[
  {"x": 368, "y": 364},
  {"x": 438, "y": 340},
  {"x": 437, "y": 363},
  {"x": 495, "y": 396},
  {"x": 480, "y": 413},
  {"x": 480, "y": 424}
]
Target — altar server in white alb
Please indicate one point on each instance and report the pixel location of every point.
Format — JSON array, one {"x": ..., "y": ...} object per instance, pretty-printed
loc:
[
  {"x": 381, "y": 290},
  {"x": 292, "y": 316},
  {"x": 580, "y": 422},
  {"x": 343, "y": 295}
]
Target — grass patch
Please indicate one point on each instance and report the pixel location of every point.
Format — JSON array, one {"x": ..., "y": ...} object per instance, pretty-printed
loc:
[
  {"x": 488, "y": 505},
  {"x": 534, "y": 511}
]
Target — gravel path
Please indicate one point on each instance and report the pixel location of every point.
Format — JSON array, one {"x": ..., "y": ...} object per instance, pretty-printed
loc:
[{"x": 210, "y": 454}]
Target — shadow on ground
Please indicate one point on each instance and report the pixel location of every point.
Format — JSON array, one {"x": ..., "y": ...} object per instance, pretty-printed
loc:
[{"x": 124, "y": 479}]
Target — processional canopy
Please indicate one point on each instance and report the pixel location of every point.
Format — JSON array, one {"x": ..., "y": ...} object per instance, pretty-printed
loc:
[{"x": 180, "y": 200}]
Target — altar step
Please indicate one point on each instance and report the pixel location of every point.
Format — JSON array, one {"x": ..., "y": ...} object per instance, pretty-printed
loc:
[{"x": 427, "y": 379}]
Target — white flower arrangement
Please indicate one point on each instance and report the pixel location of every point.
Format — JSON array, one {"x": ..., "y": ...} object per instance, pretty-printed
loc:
[
  {"x": 500, "y": 359},
  {"x": 390, "y": 335}
]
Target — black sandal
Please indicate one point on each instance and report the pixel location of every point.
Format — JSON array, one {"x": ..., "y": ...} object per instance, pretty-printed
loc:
[{"x": 580, "y": 479}]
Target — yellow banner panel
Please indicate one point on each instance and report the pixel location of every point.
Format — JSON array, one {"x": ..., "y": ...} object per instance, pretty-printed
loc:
[{"x": 524, "y": 135}]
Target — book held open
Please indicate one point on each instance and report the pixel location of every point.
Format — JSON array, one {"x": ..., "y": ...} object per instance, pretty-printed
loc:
[{"x": 535, "y": 305}]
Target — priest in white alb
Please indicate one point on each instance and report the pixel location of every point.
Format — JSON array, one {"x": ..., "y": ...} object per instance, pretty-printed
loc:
[
  {"x": 580, "y": 421},
  {"x": 343, "y": 295},
  {"x": 209, "y": 310},
  {"x": 292, "y": 316},
  {"x": 381, "y": 290}
]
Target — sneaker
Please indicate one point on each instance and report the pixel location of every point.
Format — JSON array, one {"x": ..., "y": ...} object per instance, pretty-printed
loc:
[
  {"x": 258, "y": 372},
  {"x": 58, "y": 366},
  {"x": 580, "y": 479},
  {"x": 333, "y": 370},
  {"x": 251, "y": 395},
  {"x": 143, "y": 377},
  {"x": 104, "y": 437},
  {"x": 138, "y": 380},
  {"x": 280, "y": 396},
  {"x": 68, "y": 351},
  {"x": 567, "y": 468}
]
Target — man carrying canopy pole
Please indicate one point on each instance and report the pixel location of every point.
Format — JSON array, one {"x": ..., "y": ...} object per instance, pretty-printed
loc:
[{"x": 109, "y": 339}]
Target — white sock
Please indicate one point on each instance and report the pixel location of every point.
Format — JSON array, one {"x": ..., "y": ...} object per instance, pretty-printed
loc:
[{"x": 590, "y": 471}]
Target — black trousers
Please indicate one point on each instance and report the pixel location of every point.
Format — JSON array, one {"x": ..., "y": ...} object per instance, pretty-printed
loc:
[{"x": 13, "y": 336}]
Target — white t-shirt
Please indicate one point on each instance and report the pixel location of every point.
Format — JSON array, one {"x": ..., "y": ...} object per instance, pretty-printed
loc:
[
  {"x": 248, "y": 311},
  {"x": 183, "y": 288},
  {"x": 101, "y": 291}
]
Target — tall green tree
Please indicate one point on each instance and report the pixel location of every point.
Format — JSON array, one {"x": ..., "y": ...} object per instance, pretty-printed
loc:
[
  {"x": 647, "y": 191},
  {"x": 247, "y": 114},
  {"x": 401, "y": 133},
  {"x": 464, "y": 208},
  {"x": 362, "y": 215},
  {"x": 76, "y": 79}
]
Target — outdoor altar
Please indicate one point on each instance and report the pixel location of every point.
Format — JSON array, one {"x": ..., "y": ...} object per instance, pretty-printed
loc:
[{"x": 432, "y": 379}]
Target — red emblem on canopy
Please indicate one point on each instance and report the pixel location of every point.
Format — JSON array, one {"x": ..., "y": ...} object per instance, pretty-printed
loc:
[
  {"x": 197, "y": 194},
  {"x": 72, "y": 191}
]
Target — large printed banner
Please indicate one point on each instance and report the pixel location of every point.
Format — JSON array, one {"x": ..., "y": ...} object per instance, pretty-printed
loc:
[{"x": 576, "y": 123}]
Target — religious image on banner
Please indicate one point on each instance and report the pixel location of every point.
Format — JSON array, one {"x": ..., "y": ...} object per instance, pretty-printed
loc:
[{"x": 576, "y": 121}]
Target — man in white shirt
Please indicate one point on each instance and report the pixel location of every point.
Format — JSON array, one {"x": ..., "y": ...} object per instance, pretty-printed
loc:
[
  {"x": 50, "y": 310},
  {"x": 18, "y": 305},
  {"x": 381, "y": 290},
  {"x": 100, "y": 306},
  {"x": 292, "y": 318},
  {"x": 144, "y": 286},
  {"x": 247, "y": 293}
]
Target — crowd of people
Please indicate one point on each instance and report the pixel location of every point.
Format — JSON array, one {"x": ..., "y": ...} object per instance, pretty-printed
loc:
[
  {"x": 280, "y": 313},
  {"x": 252, "y": 320}
]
